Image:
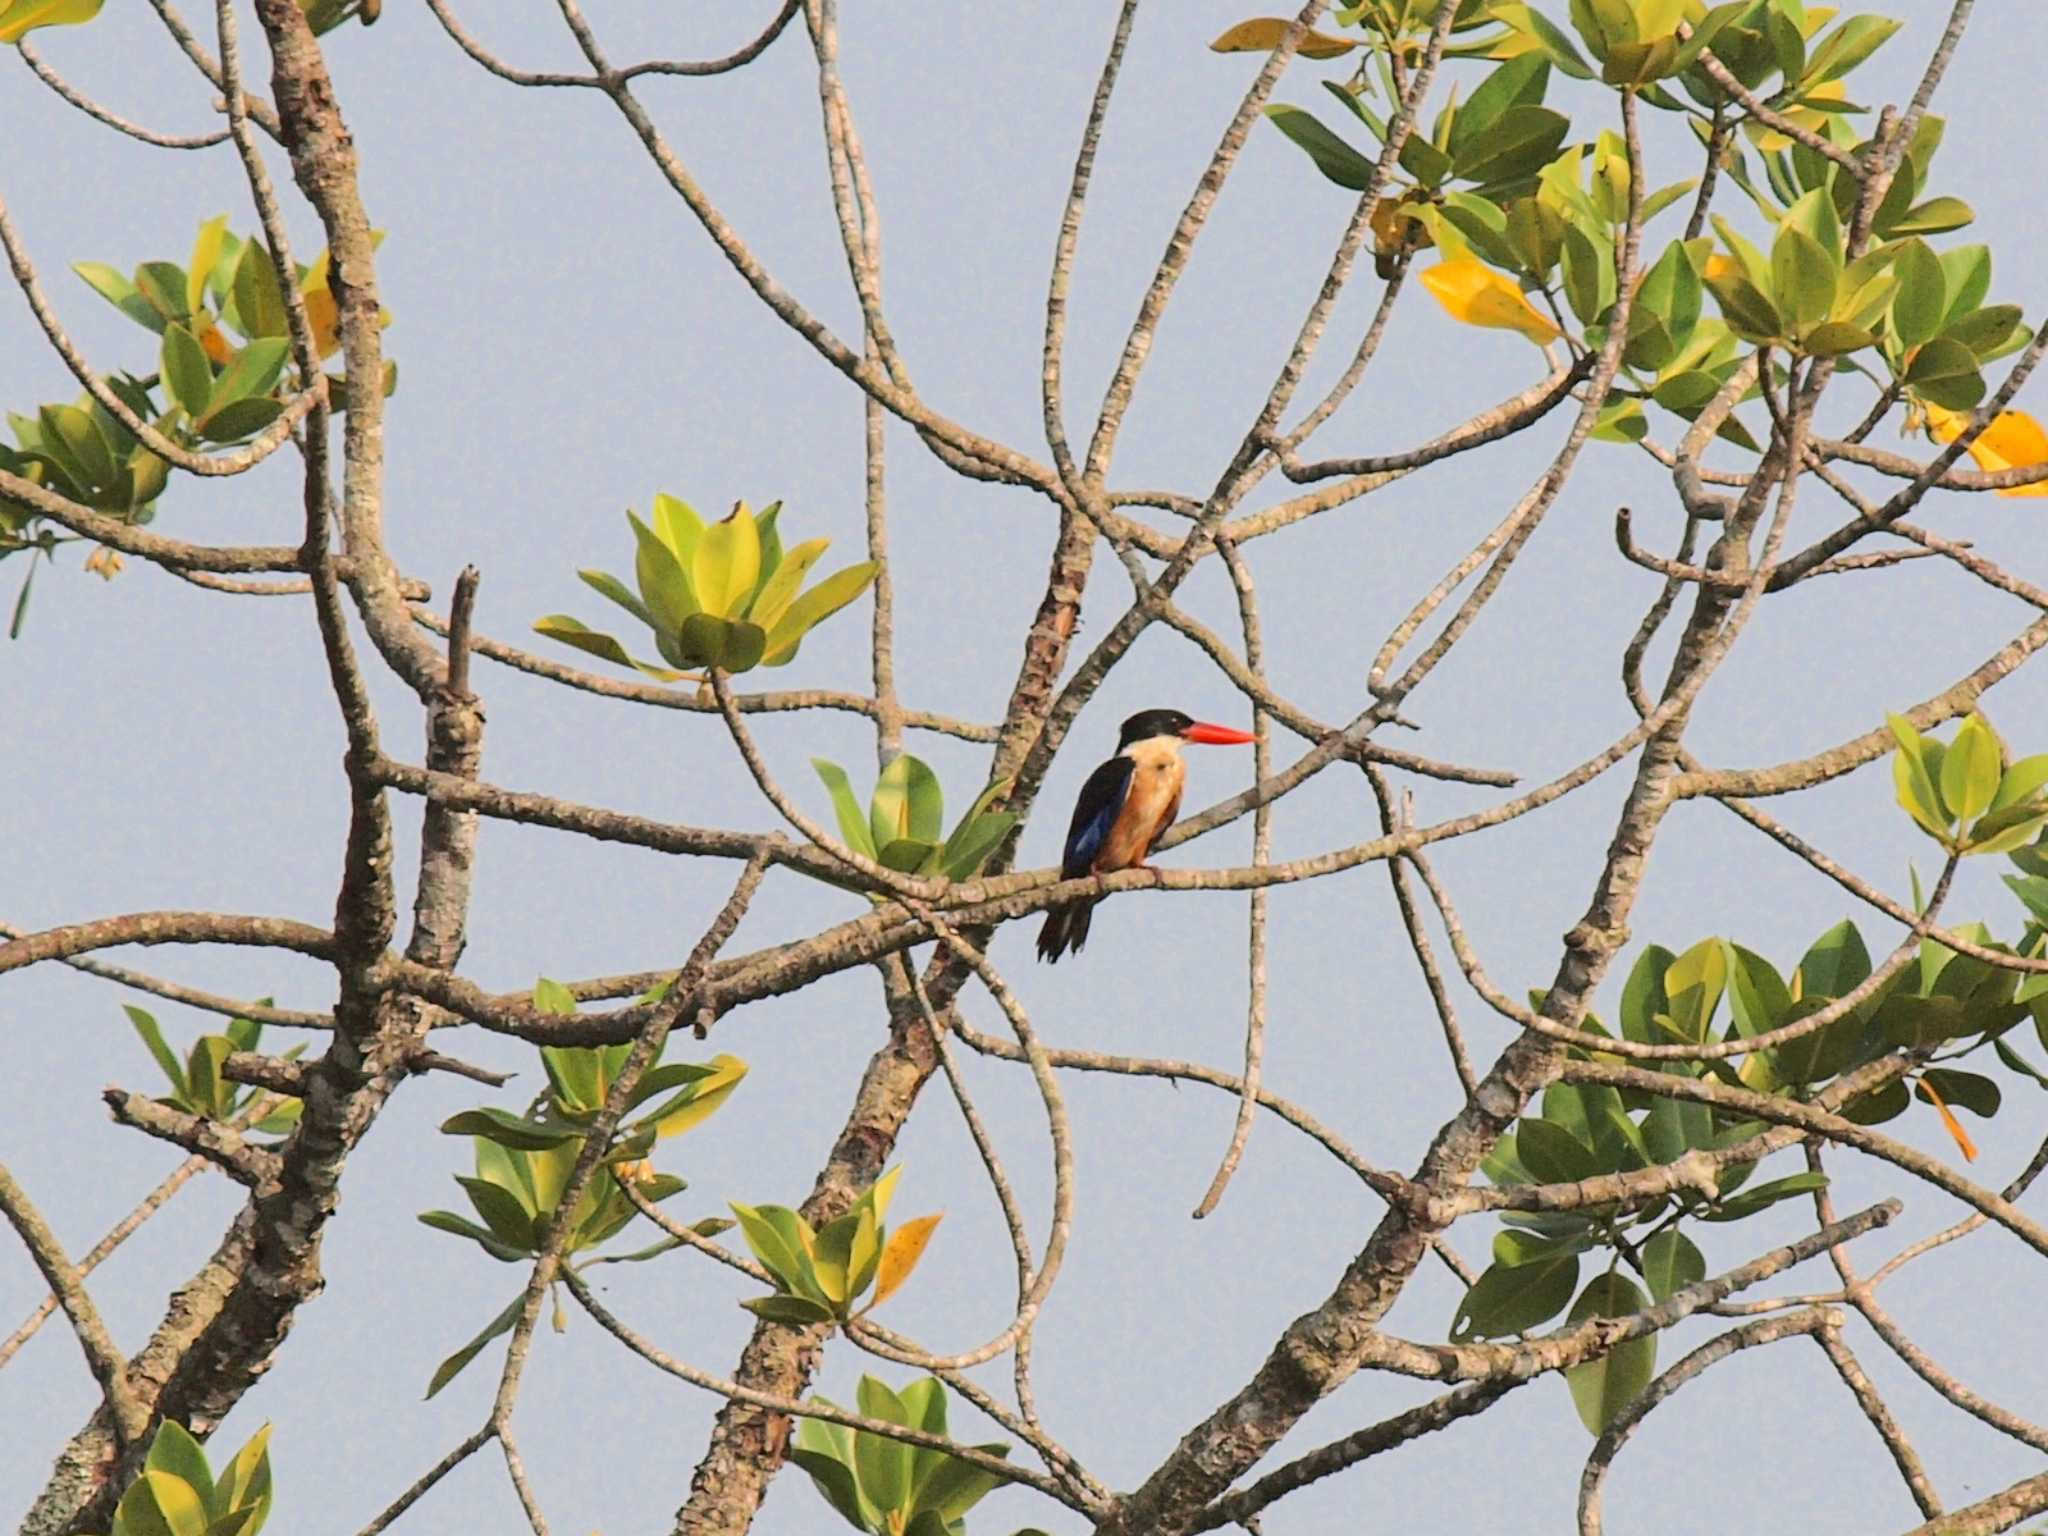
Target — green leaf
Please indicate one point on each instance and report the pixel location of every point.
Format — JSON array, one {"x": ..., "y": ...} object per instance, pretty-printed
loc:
[
  {"x": 834, "y": 1481},
  {"x": 908, "y": 802},
  {"x": 253, "y": 371},
  {"x": 779, "y": 588},
  {"x": 1670, "y": 292},
  {"x": 1671, "y": 1262},
  {"x": 118, "y": 291},
  {"x": 882, "y": 1464},
  {"x": 560, "y": 626},
  {"x": 1758, "y": 998},
  {"x": 153, "y": 1037},
  {"x": 72, "y": 438},
  {"x": 1336, "y": 159},
  {"x": 1510, "y": 1299},
  {"x": 2002, "y": 831},
  {"x": 1946, "y": 372},
  {"x": 813, "y": 608},
  {"x": 1642, "y": 995},
  {"x": 506, "y": 1129},
  {"x": 793, "y": 1311},
  {"x": 1966, "y": 1090},
  {"x": 1921, "y": 303},
  {"x": 462, "y": 1226},
  {"x": 452, "y": 1367},
  {"x": 1846, "y": 47},
  {"x": 1552, "y": 1153},
  {"x": 973, "y": 843},
  {"x": 1967, "y": 270},
  {"x": 1694, "y": 983},
  {"x": 208, "y": 1093},
  {"x": 1936, "y": 216},
  {"x": 1520, "y": 82},
  {"x": 232, "y": 420},
  {"x": 1704, "y": 31},
  {"x": 187, "y": 374},
  {"x": 1822, "y": 1053},
  {"x": 1535, "y": 233},
  {"x": 1556, "y": 46},
  {"x": 159, "y": 1504},
  {"x": 1750, "y": 1201},
  {"x": 952, "y": 1487},
  {"x": 619, "y": 593},
  {"x": 678, "y": 525},
  {"x": 257, "y": 306},
  {"x": 1834, "y": 338},
  {"x": 1430, "y": 166},
  {"x": 1915, "y": 786},
  {"x": 242, "y": 1522},
  {"x": 176, "y": 1453},
  {"x": 2021, "y": 781},
  {"x": 1802, "y": 278},
  {"x": 1621, "y": 421},
  {"x": 245, "y": 1482},
  {"x": 664, "y": 587},
  {"x": 1588, "y": 274},
  {"x": 854, "y": 828},
  {"x": 1602, "y": 1388},
  {"x": 1886, "y": 1103},
  {"x": 1970, "y": 771},
  {"x": 509, "y": 1220},
  {"x": 162, "y": 286},
  {"x": 1513, "y": 148},
  {"x": 866, "y": 1254},
  {"x": 1987, "y": 332},
  {"x": 771, "y": 1244},
  {"x": 733, "y": 645}
]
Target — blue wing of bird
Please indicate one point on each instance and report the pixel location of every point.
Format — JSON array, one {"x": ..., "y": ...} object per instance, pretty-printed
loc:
[{"x": 1102, "y": 796}]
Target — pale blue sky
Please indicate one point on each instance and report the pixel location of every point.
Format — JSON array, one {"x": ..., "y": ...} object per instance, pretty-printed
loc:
[{"x": 570, "y": 342}]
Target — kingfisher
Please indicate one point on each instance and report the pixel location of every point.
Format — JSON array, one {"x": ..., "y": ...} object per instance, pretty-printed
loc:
[{"x": 1124, "y": 806}]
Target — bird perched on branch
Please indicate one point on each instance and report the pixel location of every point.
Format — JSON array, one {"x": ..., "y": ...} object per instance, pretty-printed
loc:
[{"x": 1124, "y": 806}]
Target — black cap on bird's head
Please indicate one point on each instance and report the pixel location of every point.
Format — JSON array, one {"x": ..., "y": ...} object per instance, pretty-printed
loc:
[{"x": 1149, "y": 724}]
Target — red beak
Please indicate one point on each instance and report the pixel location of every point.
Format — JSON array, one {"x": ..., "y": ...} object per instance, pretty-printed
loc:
[{"x": 1216, "y": 735}]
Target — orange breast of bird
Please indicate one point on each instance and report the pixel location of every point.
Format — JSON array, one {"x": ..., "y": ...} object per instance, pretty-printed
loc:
[{"x": 1149, "y": 807}]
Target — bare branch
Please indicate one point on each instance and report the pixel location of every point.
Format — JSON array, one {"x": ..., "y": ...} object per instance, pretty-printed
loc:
[{"x": 109, "y": 1368}]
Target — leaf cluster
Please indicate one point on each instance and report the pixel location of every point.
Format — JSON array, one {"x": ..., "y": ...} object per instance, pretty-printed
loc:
[
  {"x": 723, "y": 596},
  {"x": 902, "y": 828},
  {"x": 1948, "y": 1003},
  {"x": 820, "y": 1276},
  {"x": 177, "y": 1493},
  {"x": 197, "y": 1084},
  {"x": 888, "y": 1487},
  {"x": 1963, "y": 793},
  {"x": 523, "y": 1162}
]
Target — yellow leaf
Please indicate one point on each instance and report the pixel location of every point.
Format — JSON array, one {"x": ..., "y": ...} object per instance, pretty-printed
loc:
[
  {"x": 205, "y": 254},
  {"x": 1948, "y": 1118},
  {"x": 1262, "y": 34},
  {"x": 710, "y": 1093},
  {"x": 2014, "y": 440},
  {"x": 24, "y": 16},
  {"x": 324, "y": 317},
  {"x": 1769, "y": 141},
  {"x": 883, "y": 1191},
  {"x": 899, "y": 1258},
  {"x": 1476, "y": 294}
]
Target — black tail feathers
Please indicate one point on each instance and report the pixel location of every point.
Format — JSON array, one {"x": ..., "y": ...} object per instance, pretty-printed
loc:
[{"x": 1065, "y": 930}]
